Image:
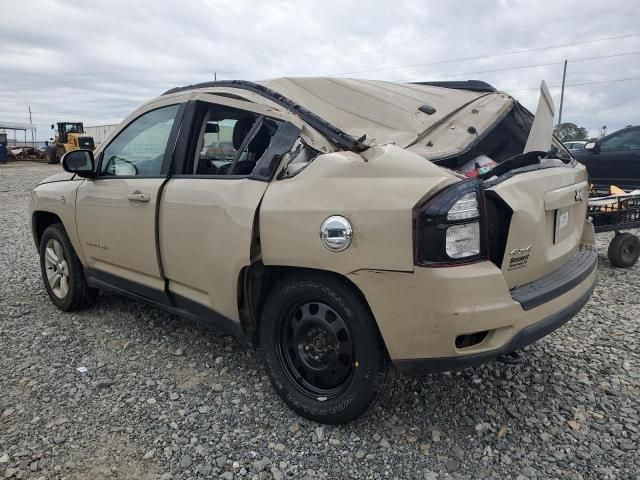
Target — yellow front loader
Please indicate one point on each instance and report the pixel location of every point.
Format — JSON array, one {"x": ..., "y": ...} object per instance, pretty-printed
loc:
[{"x": 69, "y": 136}]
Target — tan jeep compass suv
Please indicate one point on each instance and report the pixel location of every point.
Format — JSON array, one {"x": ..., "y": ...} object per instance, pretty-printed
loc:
[{"x": 347, "y": 227}]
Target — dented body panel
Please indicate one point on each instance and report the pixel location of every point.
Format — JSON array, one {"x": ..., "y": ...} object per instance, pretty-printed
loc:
[
  {"x": 421, "y": 313},
  {"x": 535, "y": 198},
  {"x": 376, "y": 192},
  {"x": 220, "y": 214}
]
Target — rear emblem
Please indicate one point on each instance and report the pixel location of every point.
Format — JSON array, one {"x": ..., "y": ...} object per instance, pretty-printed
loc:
[
  {"x": 579, "y": 195},
  {"x": 519, "y": 257}
]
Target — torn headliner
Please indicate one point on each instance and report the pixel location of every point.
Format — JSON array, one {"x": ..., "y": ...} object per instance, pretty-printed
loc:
[{"x": 347, "y": 109}]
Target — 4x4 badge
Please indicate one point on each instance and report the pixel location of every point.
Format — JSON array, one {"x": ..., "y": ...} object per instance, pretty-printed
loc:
[{"x": 520, "y": 251}]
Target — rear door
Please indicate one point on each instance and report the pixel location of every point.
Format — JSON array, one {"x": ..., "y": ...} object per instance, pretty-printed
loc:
[
  {"x": 227, "y": 153},
  {"x": 116, "y": 211}
]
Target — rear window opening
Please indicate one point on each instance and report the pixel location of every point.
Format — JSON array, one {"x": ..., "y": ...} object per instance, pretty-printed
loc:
[{"x": 505, "y": 140}]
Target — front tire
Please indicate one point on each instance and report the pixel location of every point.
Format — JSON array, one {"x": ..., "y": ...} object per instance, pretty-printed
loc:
[
  {"x": 51, "y": 156},
  {"x": 62, "y": 271},
  {"x": 322, "y": 348}
]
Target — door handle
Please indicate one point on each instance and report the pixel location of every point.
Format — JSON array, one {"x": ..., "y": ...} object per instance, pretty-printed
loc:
[{"x": 138, "y": 196}]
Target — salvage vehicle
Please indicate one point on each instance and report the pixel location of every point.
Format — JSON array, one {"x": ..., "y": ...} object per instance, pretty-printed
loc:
[
  {"x": 340, "y": 237},
  {"x": 26, "y": 153},
  {"x": 613, "y": 160}
]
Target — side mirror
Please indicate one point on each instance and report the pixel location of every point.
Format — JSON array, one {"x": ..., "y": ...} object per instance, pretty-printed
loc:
[
  {"x": 591, "y": 147},
  {"x": 52, "y": 126},
  {"x": 80, "y": 162}
]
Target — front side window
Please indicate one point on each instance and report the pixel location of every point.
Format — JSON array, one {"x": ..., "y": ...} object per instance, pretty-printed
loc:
[
  {"x": 139, "y": 149},
  {"x": 624, "y": 141}
]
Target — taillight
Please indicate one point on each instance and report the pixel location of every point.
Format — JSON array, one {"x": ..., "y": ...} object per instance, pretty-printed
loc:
[
  {"x": 463, "y": 241},
  {"x": 449, "y": 228}
]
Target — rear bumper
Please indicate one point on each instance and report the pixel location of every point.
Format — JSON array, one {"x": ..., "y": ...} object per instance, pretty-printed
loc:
[
  {"x": 521, "y": 339},
  {"x": 426, "y": 316},
  {"x": 556, "y": 283}
]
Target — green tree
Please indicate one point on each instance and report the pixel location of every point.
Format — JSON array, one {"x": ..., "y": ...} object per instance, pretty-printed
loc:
[{"x": 570, "y": 131}]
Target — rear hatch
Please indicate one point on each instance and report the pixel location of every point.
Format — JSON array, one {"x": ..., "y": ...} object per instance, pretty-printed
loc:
[
  {"x": 548, "y": 209},
  {"x": 546, "y": 204}
]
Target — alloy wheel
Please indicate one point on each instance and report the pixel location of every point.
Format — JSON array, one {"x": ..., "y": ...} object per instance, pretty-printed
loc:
[{"x": 57, "y": 268}]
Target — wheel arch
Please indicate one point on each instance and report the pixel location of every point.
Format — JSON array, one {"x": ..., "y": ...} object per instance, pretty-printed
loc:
[
  {"x": 255, "y": 282},
  {"x": 40, "y": 221}
]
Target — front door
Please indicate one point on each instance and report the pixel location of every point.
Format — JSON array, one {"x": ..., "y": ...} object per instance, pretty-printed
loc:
[{"x": 117, "y": 211}]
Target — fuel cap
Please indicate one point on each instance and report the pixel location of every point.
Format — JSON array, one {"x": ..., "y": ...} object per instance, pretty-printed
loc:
[{"x": 336, "y": 233}]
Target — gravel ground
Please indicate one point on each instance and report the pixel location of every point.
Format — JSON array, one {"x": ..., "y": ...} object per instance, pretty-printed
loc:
[{"x": 163, "y": 398}]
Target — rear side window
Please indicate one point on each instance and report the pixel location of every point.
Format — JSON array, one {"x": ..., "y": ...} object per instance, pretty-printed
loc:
[
  {"x": 228, "y": 141},
  {"x": 139, "y": 149},
  {"x": 224, "y": 146}
]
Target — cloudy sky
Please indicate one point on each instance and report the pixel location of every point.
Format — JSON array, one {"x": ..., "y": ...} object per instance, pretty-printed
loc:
[{"x": 96, "y": 61}]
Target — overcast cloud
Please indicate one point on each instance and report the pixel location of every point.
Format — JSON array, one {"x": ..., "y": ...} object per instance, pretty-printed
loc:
[{"x": 96, "y": 61}]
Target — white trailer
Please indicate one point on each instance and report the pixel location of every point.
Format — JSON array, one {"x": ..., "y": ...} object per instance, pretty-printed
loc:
[{"x": 100, "y": 132}]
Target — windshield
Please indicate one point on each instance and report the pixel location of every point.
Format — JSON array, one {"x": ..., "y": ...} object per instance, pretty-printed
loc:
[{"x": 73, "y": 128}]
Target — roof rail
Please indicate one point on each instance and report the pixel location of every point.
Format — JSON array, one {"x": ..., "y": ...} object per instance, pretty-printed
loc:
[
  {"x": 338, "y": 136},
  {"x": 472, "y": 85}
]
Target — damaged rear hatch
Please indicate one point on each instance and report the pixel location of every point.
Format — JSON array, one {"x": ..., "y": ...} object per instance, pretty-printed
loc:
[{"x": 536, "y": 200}]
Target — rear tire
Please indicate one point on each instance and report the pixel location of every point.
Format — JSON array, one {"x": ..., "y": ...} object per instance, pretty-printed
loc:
[
  {"x": 322, "y": 348},
  {"x": 624, "y": 250},
  {"x": 62, "y": 271}
]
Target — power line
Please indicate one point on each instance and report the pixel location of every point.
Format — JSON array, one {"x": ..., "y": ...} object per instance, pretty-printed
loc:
[
  {"x": 521, "y": 67},
  {"x": 547, "y": 21},
  {"x": 525, "y": 25},
  {"x": 575, "y": 84},
  {"x": 502, "y": 54}
]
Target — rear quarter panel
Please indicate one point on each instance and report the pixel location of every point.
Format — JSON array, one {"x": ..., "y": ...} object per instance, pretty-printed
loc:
[{"x": 376, "y": 191}]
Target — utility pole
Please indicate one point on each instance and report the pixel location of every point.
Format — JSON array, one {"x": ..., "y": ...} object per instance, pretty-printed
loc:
[
  {"x": 215, "y": 76},
  {"x": 33, "y": 140},
  {"x": 564, "y": 76}
]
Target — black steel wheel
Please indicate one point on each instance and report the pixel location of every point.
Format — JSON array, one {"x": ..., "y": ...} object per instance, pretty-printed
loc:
[
  {"x": 316, "y": 349},
  {"x": 624, "y": 250},
  {"x": 322, "y": 349}
]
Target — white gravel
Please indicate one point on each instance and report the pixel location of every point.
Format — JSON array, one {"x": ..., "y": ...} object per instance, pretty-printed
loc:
[{"x": 163, "y": 398}]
